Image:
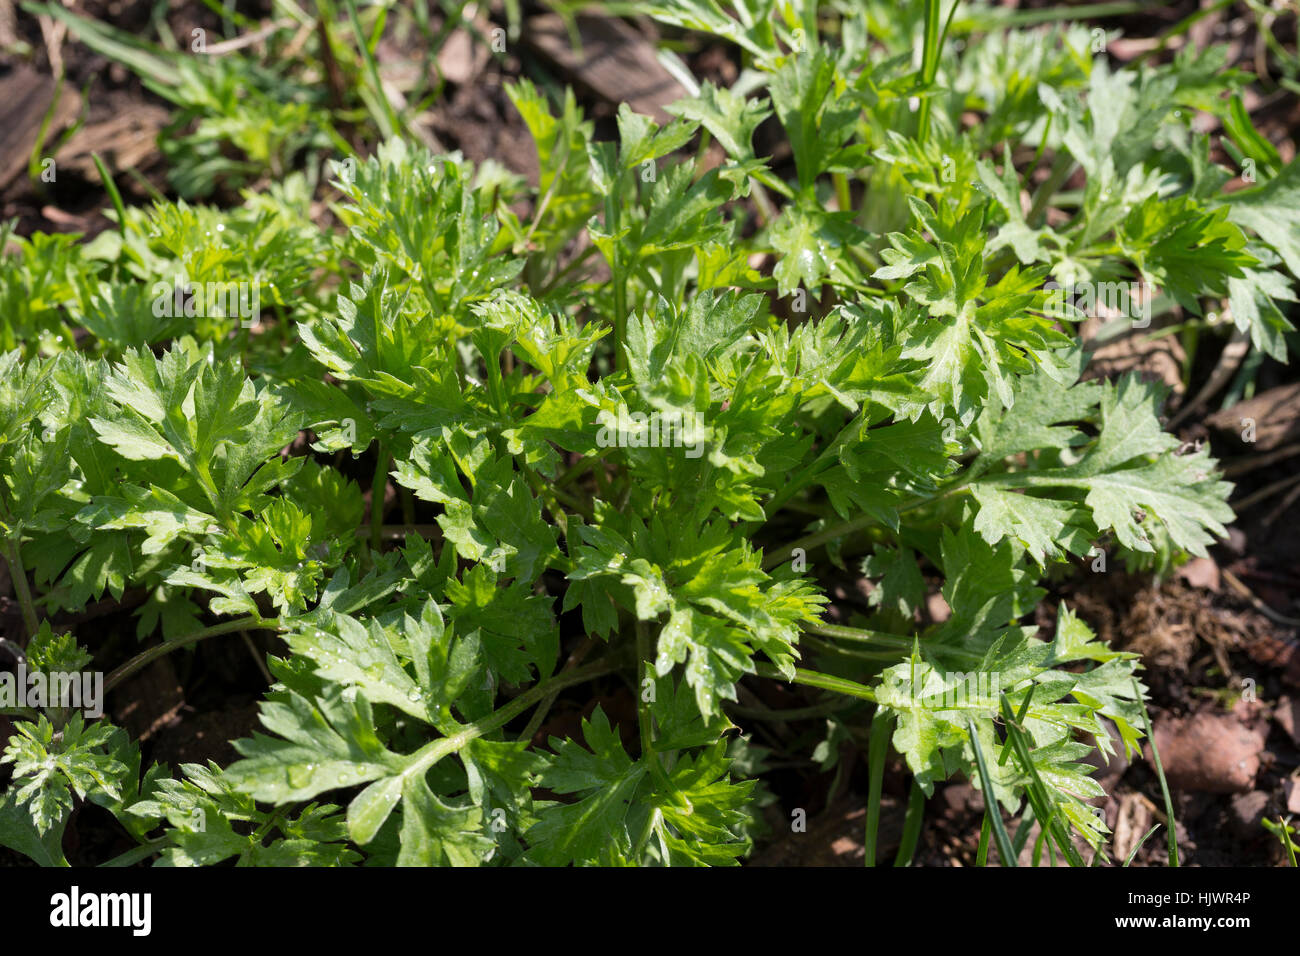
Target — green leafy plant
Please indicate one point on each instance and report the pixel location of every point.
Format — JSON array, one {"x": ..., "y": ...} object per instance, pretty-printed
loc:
[{"x": 633, "y": 460}]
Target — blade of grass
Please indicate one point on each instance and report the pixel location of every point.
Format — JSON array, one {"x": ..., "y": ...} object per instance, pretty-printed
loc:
[
  {"x": 382, "y": 110},
  {"x": 994, "y": 18},
  {"x": 1137, "y": 846},
  {"x": 111, "y": 188},
  {"x": 1038, "y": 849},
  {"x": 911, "y": 825},
  {"x": 1160, "y": 774},
  {"x": 992, "y": 811},
  {"x": 1036, "y": 791},
  {"x": 1284, "y": 834},
  {"x": 113, "y": 43},
  {"x": 1022, "y": 832},
  {"x": 34, "y": 161},
  {"x": 882, "y": 724}
]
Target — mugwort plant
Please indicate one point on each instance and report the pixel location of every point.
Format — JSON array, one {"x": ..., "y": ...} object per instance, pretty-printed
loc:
[{"x": 621, "y": 460}]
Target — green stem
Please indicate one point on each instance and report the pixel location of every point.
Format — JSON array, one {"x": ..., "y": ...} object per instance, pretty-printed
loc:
[
  {"x": 577, "y": 470},
  {"x": 858, "y": 635},
  {"x": 431, "y": 753},
  {"x": 927, "y": 58},
  {"x": 619, "y": 281},
  {"x": 818, "y": 538},
  {"x": 1063, "y": 167},
  {"x": 643, "y": 716},
  {"x": 821, "y": 681},
  {"x": 13, "y": 557},
  {"x": 807, "y": 473},
  {"x": 144, "y": 658},
  {"x": 826, "y": 647},
  {"x": 936, "y": 28},
  {"x": 882, "y": 640},
  {"x": 134, "y": 856},
  {"x": 557, "y": 497},
  {"x": 810, "y": 541},
  {"x": 378, "y": 487},
  {"x": 843, "y": 197}
]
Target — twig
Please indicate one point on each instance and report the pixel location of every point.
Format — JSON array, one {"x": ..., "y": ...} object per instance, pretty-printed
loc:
[
  {"x": 1266, "y": 492},
  {"x": 248, "y": 39},
  {"x": 257, "y": 657},
  {"x": 1251, "y": 463},
  {"x": 1292, "y": 496},
  {"x": 1226, "y": 367},
  {"x": 1239, "y": 586}
]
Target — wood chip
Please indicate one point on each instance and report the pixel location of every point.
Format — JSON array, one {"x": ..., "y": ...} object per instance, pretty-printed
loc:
[
  {"x": 127, "y": 140},
  {"x": 1275, "y": 415},
  {"x": 463, "y": 57}
]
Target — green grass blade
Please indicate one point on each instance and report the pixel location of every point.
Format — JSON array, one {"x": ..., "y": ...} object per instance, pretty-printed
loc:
[
  {"x": 1160, "y": 773},
  {"x": 986, "y": 828},
  {"x": 140, "y": 57},
  {"x": 1022, "y": 832},
  {"x": 1037, "y": 793},
  {"x": 991, "y": 809},
  {"x": 995, "y": 17},
  {"x": 375, "y": 97},
  {"x": 111, "y": 188},
  {"x": 911, "y": 825},
  {"x": 1137, "y": 846},
  {"x": 882, "y": 725}
]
